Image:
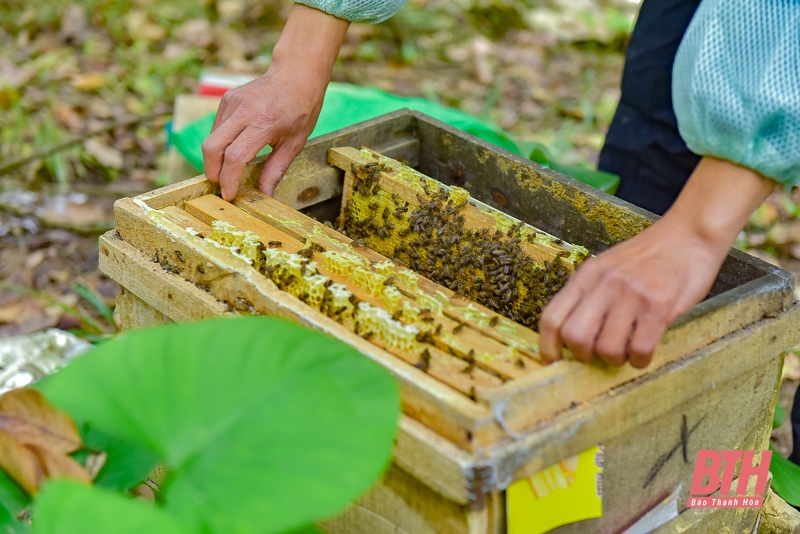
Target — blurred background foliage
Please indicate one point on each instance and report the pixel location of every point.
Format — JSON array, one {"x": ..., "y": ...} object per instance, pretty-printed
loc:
[{"x": 544, "y": 70}]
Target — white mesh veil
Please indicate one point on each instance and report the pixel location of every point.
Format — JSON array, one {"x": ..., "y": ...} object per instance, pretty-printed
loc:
[{"x": 736, "y": 85}]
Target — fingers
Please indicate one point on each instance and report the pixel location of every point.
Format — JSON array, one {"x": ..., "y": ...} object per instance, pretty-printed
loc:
[
  {"x": 277, "y": 164},
  {"x": 601, "y": 312},
  {"x": 223, "y": 112},
  {"x": 581, "y": 329},
  {"x": 215, "y": 145},
  {"x": 646, "y": 336},
  {"x": 553, "y": 317},
  {"x": 612, "y": 342},
  {"x": 236, "y": 156}
]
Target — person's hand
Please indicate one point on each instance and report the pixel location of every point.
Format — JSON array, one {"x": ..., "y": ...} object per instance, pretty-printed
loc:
[
  {"x": 280, "y": 108},
  {"x": 618, "y": 305}
]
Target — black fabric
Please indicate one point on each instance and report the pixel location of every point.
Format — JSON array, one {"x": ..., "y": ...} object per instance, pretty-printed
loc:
[
  {"x": 795, "y": 417},
  {"x": 643, "y": 145}
]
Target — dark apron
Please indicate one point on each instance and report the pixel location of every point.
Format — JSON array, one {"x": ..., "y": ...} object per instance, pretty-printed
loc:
[{"x": 643, "y": 145}]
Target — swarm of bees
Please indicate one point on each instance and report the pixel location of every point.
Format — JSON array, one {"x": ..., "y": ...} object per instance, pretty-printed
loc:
[{"x": 487, "y": 265}]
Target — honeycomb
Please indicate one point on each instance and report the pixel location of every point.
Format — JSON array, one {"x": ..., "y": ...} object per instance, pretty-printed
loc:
[
  {"x": 245, "y": 245},
  {"x": 492, "y": 266},
  {"x": 338, "y": 305},
  {"x": 295, "y": 274},
  {"x": 378, "y": 323},
  {"x": 357, "y": 268}
]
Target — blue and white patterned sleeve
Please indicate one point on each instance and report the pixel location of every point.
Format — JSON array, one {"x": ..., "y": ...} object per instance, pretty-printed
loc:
[
  {"x": 367, "y": 11},
  {"x": 736, "y": 85}
]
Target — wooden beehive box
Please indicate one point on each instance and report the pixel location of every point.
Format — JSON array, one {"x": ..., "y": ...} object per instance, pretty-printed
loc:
[{"x": 474, "y": 425}]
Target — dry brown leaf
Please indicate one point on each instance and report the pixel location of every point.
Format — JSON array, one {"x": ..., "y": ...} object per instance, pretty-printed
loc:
[
  {"x": 89, "y": 81},
  {"x": 55, "y": 465},
  {"x": 27, "y": 415},
  {"x": 35, "y": 259},
  {"x": 144, "y": 492},
  {"x": 13, "y": 312},
  {"x": 764, "y": 216},
  {"x": 140, "y": 27},
  {"x": 106, "y": 155},
  {"x": 784, "y": 233},
  {"x": 20, "y": 463},
  {"x": 66, "y": 116},
  {"x": 75, "y": 214},
  {"x": 35, "y": 440}
]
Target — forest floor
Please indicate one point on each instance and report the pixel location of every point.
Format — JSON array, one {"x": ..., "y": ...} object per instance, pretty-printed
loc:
[{"x": 548, "y": 73}]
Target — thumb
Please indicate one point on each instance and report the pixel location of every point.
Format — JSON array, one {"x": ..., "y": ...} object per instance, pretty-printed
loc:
[{"x": 276, "y": 166}]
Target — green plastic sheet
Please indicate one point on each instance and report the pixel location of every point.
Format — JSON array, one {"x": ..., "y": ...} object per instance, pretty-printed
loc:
[{"x": 347, "y": 104}]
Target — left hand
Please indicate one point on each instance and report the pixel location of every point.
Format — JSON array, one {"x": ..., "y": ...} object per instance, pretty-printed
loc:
[{"x": 619, "y": 304}]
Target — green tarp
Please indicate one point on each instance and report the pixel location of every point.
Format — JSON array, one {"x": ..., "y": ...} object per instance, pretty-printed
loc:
[{"x": 347, "y": 104}]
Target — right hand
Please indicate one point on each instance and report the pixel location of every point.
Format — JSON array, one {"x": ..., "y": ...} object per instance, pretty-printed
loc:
[{"x": 279, "y": 109}]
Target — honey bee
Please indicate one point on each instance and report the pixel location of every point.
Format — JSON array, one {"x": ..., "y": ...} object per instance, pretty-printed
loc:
[
  {"x": 424, "y": 362},
  {"x": 470, "y": 362},
  {"x": 514, "y": 229}
]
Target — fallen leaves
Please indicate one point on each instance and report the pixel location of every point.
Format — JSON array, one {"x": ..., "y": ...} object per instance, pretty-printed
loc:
[
  {"x": 65, "y": 115},
  {"x": 36, "y": 440},
  {"x": 140, "y": 27},
  {"x": 106, "y": 155},
  {"x": 89, "y": 81},
  {"x": 74, "y": 23}
]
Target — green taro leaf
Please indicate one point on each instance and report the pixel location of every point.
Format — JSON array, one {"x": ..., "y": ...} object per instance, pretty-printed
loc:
[
  {"x": 308, "y": 529},
  {"x": 12, "y": 498},
  {"x": 785, "y": 478},
  {"x": 65, "y": 507},
  {"x": 127, "y": 463},
  {"x": 264, "y": 426}
]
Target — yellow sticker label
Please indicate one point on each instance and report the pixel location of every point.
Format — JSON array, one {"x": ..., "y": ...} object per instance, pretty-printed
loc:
[{"x": 569, "y": 491}]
